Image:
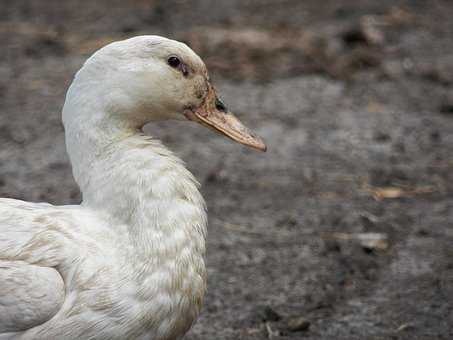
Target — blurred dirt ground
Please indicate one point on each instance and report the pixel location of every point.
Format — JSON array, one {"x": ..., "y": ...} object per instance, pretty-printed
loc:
[{"x": 347, "y": 220}]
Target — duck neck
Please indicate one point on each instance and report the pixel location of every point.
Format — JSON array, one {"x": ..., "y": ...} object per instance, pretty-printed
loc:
[{"x": 136, "y": 183}]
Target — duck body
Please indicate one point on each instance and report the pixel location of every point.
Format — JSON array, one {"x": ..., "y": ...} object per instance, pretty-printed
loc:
[
  {"x": 135, "y": 274},
  {"x": 127, "y": 263}
]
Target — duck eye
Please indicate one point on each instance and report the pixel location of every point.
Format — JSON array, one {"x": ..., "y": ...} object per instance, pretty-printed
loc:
[{"x": 174, "y": 61}]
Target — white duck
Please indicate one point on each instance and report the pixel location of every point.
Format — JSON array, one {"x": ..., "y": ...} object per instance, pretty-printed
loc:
[{"x": 128, "y": 262}]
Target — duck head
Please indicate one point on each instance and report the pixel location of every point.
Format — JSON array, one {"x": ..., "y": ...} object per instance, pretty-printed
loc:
[{"x": 152, "y": 78}]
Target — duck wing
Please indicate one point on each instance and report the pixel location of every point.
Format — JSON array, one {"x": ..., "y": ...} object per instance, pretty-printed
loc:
[
  {"x": 32, "y": 291},
  {"x": 30, "y": 295}
]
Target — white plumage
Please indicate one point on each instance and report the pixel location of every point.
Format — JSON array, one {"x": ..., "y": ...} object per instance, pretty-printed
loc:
[{"x": 128, "y": 262}]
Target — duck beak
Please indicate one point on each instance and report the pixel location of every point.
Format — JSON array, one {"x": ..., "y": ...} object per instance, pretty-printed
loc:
[{"x": 213, "y": 114}]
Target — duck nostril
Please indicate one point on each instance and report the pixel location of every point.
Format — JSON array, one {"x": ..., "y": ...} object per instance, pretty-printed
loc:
[{"x": 220, "y": 105}]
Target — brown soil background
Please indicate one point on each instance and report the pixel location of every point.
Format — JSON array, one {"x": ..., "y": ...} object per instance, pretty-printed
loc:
[{"x": 355, "y": 101}]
